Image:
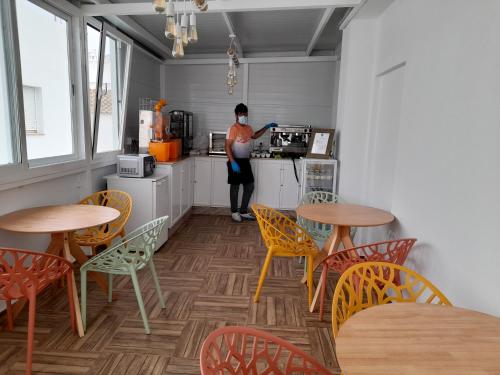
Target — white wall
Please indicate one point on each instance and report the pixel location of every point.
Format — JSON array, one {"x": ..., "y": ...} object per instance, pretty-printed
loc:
[
  {"x": 446, "y": 175},
  {"x": 286, "y": 93}
]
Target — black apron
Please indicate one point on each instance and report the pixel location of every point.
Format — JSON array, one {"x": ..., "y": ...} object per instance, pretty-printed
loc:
[{"x": 244, "y": 177}]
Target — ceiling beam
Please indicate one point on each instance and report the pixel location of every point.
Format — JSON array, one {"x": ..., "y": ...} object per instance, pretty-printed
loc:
[
  {"x": 327, "y": 14},
  {"x": 136, "y": 31},
  {"x": 216, "y": 6},
  {"x": 230, "y": 28}
]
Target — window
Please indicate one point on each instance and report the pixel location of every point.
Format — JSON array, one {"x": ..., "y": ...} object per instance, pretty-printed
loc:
[
  {"x": 6, "y": 136},
  {"x": 93, "y": 47},
  {"x": 107, "y": 97},
  {"x": 33, "y": 110},
  {"x": 44, "y": 45}
]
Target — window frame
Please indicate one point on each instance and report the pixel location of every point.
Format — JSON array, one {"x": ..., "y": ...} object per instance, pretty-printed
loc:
[
  {"x": 77, "y": 153},
  {"x": 108, "y": 30}
]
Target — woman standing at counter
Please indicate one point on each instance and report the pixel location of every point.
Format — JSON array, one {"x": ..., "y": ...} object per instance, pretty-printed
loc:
[{"x": 238, "y": 166}]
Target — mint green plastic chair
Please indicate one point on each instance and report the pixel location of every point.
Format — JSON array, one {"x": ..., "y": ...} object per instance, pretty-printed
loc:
[{"x": 131, "y": 255}]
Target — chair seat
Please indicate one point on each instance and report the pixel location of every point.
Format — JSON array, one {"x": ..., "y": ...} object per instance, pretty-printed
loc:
[
  {"x": 89, "y": 238},
  {"x": 308, "y": 248}
]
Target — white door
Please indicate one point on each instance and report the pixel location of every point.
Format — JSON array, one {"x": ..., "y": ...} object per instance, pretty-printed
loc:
[
  {"x": 176, "y": 192},
  {"x": 289, "y": 186},
  {"x": 220, "y": 187},
  {"x": 162, "y": 207},
  {"x": 190, "y": 163},
  {"x": 202, "y": 181},
  {"x": 269, "y": 182}
]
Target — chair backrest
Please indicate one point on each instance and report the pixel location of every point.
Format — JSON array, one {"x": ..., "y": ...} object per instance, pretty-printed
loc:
[
  {"x": 394, "y": 251},
  {"x": 24, "y": 272},
  {"x": 318, "y": 231},
  {"x": 280, "y": 233},
  {"x": 116, "y": 199},
  {"x": 135, "y": 249},
  {"x": 247, "y": 351},
  {"x": 376, "y": 283}
]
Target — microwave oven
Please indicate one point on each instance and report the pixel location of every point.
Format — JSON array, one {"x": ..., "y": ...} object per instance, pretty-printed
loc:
[{"x": 138, "y": 165}]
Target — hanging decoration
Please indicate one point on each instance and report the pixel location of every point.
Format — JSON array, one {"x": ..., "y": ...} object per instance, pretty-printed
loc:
[
  {"x": 234, "y": 63},
  {"x": 184, "y": 32}
]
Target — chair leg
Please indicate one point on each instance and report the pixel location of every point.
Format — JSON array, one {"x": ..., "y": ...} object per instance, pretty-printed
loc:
[
  {"x": 305, "y": 264},
  {"x": 31, "y": 333},
  {"x": 10, "y": 316},
  {"x": 137, "y": 289},
  {"x": 157, "y": 284},
  {"x": 69, "y": 282},
  {"x": 110, "y": 287},
  {"x": 262, "y": 276},
  {"x": 310, "y": 270},
  {"x": 324, "y": 275},
  {"x": 83, "y": 292}
]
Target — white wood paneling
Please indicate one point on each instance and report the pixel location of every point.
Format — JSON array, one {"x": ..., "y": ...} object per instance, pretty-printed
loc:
[{"x": 291, "y": 92}]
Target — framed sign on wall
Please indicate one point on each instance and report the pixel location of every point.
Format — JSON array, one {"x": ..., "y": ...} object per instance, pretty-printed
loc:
[{"x": 321, "y": 144}]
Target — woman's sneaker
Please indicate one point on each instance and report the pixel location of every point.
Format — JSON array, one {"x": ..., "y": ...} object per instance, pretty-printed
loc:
[
  {"x": 236, "y": 217},
  {"x": 247, "y": 216}
]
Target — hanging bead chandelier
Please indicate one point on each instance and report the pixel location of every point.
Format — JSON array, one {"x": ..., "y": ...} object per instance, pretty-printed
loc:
[{"x": 234, "y": 63}]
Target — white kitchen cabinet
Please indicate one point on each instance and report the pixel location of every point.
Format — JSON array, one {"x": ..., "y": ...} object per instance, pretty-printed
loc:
[
  {"x": 185, "y": 186},
  {"x": 202, "y": 181},
  {"x": 150, "y": 199},
  {"x": 181, "y": 186},
  {"x": 268, "y": 182},
  {"x": 220, "y": 187},
  {"x": 290, "y": 188}
]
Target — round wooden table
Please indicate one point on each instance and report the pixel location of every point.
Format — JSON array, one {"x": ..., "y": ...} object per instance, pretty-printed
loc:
[
  {"x": 414, "y": 338},
  {"x": 61, "y": 222},
  {"x": 342, "y": 216}
]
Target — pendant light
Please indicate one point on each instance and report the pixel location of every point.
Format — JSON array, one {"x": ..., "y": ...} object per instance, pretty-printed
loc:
[
  {"x": 159, "y": 5},
  {"x": 170, "y": 26},
  {"x": 184, "y": 26},
  {"x": 178, "y": 48},
  {"x": 193, "y": 32}
]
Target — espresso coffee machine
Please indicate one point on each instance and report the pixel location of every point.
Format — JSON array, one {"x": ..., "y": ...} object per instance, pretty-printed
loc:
[
  {"x": 181, "y": 126},
  {"x": 290, "y": 140}
]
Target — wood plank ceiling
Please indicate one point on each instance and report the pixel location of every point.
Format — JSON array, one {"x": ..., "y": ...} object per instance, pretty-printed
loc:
[{"x": 285, "y": 32}]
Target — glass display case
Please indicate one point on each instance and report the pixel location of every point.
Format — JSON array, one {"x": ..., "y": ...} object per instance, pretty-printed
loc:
[{"x": 318, "y": 175}]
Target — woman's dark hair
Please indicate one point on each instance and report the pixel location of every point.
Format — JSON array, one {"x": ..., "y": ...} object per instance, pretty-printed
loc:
[{"x": 241, "y": 108}]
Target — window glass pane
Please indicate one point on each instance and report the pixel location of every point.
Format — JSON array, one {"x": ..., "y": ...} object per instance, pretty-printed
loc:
[
  {"x": 6, "y": 152},
  {"x": 93, "y": 47},
  {"x": 115, "y": 56},
  {"x": 43, "y": 44}
]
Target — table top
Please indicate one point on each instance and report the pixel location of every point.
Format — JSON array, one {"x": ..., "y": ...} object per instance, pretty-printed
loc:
[
  {"x": 345, "y": 214},
  {"x": 413, "y": 338},
  {"x": 57, "y": 219}
]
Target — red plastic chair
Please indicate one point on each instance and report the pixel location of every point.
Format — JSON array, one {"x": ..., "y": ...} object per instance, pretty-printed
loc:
[
  {"x": 247, "y": 351},
  {"x": 24, "y": 274},
  {"x": 395, "y": 251}
]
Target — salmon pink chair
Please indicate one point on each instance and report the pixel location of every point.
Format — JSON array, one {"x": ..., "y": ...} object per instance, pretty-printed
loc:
[
  {"x": 368, "y": 284},
  {"x": 247, "y": 351},
  {"x": 101, "y": 237},
  {"x": 23, "y": 275},
  {"x": 395, "y": 251},
  {"x": 284, "y": 237}
]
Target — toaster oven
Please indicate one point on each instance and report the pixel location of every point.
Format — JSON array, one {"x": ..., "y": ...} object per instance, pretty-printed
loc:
[
  {"x": 139, "y": 165},
  {"x": 217, "y": 143}
]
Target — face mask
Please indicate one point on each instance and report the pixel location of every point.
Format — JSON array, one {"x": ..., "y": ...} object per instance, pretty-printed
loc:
[{"x": 242, "y": 120}]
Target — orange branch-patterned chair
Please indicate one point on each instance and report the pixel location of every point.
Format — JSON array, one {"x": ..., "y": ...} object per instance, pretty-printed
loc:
[
  {"x": 284, "y": 237},
  {"x": 376, "y": 283},
  {"x": 23, "y": 275},
  {"x": 102, "y": 236},
  {"x": 395, "y": 251},
  {"x": 247, "y": 351}
]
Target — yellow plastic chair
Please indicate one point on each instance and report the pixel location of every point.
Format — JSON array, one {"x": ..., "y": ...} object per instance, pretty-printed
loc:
[
  {"x": 284, "y": 237},
  {"x": 376, "y": 283},
  {"x": 102, "y": 236}
]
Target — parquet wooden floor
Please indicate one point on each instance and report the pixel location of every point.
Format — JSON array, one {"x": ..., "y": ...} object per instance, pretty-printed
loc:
[{"x": 208, "y": 273}]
